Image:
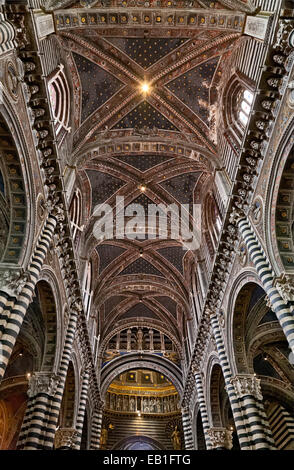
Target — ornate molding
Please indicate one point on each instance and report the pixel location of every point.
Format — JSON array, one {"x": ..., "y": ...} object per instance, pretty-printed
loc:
[
  {"x": 65, "y": 437},
  {"x": 43, "y": 382},
  {"x": 246, "y": 385},
  {"x": 284, "y": 37},
  {"x": 220, "y": 437},
  {"x": 13, "y": 281},
  {"x": 174, "y": 20},
  {"x": 285, "y": 286}
]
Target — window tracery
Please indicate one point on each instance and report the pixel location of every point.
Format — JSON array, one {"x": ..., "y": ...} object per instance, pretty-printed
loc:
[{"x": 60, "y": 101}]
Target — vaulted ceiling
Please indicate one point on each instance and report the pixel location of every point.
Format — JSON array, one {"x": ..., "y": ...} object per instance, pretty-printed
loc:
[{"x": 164, "y": 141}]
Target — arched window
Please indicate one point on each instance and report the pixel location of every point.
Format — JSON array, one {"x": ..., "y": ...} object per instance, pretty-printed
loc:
[
  {"x": 75, "y": 216},
  {"x": 237, "y": 98},
  {"x": 212, "y": 220},
  {"x": 87, "y": 292},
  {"x": 60, "y": 100},
  {"x": 245, "y": 107}
]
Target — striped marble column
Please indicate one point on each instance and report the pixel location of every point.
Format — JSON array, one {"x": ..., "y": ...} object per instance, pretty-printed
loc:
[
  {"x": 96, "y": 428},
  {"x": 247, "y": 389},
  {"x": 33, "y": 434},
  {"x": 220, "y": 438},
  {"x": 264, "y": 270},
  {"x": 82, "y": 409},
  {"x": 187, "y": 429},
  {"x": 75, "y": 310},
  {"x": 244, "y": 439},
  {"x": 253, "y": 433},
  {"x": 14, "y": 311},
  {"x": 42, "y": 387},
  {"x": 202, "y": 407}
]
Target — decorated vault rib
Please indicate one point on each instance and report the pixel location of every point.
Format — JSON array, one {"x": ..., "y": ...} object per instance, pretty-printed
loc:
[
  {"x": 130, "y": 99},
  {"x": 42, "y": 129},
  {"x": 253, "y": 149}
]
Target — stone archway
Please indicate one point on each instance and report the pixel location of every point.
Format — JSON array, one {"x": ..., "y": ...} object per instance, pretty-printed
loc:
[{"x": 138, "y": 443}]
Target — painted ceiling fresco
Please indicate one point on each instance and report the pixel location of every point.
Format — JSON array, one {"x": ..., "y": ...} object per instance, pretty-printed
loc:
[{"x": 152, "y": 145}]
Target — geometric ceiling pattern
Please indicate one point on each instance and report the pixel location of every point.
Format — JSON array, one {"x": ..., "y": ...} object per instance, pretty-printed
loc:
[
  {"x": 169, "y": 304},
  {"x": 112, "y": 302},
  {"x": 146, "y": 51},
  {"x": 98, "y": 85},
  {"x": 139, "y": 310},
  {"x": 145, "y": 115},
  {"x": 103, "y": 186},
  {"x": 193, "y": 87},
  {"x": 134, "y": 139},
  {"x": 141, "y": 266},
  {"x": 143, "y": 201},
  {"x": 108, "y": 253},
  {"x": 181, "y": 187},
  {"x": 174, "y": 255}
]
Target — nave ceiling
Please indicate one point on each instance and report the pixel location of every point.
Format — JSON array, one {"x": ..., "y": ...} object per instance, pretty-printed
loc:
[{"x": 153, "y": 146}]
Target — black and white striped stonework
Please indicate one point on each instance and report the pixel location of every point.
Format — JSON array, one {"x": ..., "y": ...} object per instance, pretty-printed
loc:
[
  {"x": 6, "y": 305},
  {"x": 265, "y": 423},
  {"x": 35, "y": 422},
  {"x": 251, "y": 427},
  {"x": 82, "y": 409},
  {"x": 282, "y": 425},
  {"x": 265, "y": 273},
  {"x": 11, "y": 319},
  {"x": 257, "y": 424},
  {"x": 64, "y": 363},
  {"x": 7, "y": 35},
  {"x": 187, "y": 429},
  {"x": 244, "y": 439},
  {"x": 96, "y": 429},
  {"x": 203, "y": 409},
  {"x": 39, "y": 427},
  {"x": 26, "y": 423}
]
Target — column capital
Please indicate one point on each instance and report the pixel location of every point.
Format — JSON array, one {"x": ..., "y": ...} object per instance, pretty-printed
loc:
[
  {"x": 86, "y": 370},
  {"x": 246, "y": 384},
  {"x": 56, "y": 210},
  {"x": 236, "y": 215},
  {"x": 210, "y": 311},
  {"x": 65, "y": 437},
  {"x": 220, "y": 437},
  {"x": 195, "y": 368},
  {"x": 285, "y": 286},
  {"x": 77, "y": 305},
  {"x": 13, "y": 281},
  {"x": 185, "y": 408},
  {"x": 98, "y": 405},
  {"x": 43, "y": 382}
]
